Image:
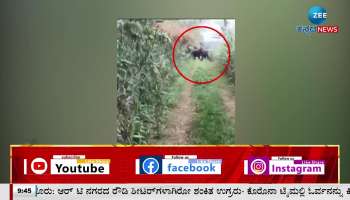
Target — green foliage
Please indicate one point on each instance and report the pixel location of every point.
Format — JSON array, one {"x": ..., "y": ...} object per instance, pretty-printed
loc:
[
  {"x": 144, "y": 75},
  {"x": 221, "y": 55},
  {"x": 178, "y": 86},
  {"x": 212, "y": 124},
  {"x": 147, "y": 86},
  {"x": 231, "y": 72}
]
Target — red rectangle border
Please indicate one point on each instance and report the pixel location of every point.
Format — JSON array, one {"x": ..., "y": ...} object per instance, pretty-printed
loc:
[{"x": 122, "y": 163}]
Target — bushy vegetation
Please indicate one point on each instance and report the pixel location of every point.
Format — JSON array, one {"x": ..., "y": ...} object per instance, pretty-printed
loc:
[
  {"x": 148, "y": 87},
  {"x": 144, "y": 76},
  {"x": 212, "y": 124},
  {"x": 222, "y": 56},
  {"x": 231, "y": 72}
]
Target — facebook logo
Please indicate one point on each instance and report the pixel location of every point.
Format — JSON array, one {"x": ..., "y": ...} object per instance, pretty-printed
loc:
[{"x": 151, "y": 165}]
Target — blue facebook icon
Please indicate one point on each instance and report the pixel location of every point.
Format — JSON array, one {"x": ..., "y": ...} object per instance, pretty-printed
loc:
[{"x": 151, "y": 165}]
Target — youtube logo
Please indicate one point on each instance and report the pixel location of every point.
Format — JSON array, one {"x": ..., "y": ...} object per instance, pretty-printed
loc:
[{"x": 38, "y": 166}]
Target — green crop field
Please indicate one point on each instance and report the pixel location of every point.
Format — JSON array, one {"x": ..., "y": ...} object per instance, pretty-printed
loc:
[{"x": 155, "y": 105}]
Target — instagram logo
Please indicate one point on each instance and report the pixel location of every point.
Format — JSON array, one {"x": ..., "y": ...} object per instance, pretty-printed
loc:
[{"x": 258, "y": 166}]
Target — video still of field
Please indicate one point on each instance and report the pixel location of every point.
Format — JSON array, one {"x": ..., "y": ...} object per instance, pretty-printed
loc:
[{"x": 175, "y": 81}]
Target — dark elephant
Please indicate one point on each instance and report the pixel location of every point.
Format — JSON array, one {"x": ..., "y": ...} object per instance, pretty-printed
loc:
[
  {"x": 200, "y": 54},
  {"x": 205, "y": 54}
]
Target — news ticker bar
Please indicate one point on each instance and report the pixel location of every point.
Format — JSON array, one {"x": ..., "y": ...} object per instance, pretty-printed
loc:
[
  {"x": 5, "y": 190},
  {"x": 175, "y": 164},
  {"x": 180, "y": 191}
]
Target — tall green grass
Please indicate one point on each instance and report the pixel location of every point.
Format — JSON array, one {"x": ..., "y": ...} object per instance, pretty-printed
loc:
[
  {"x": 143, "y": 77},
  {"x": 211, "y": 124},
  {"x": 173, "y": 94}
]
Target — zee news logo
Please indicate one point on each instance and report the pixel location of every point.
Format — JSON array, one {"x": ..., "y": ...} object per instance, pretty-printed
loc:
[{"x": 317, "y": 15}]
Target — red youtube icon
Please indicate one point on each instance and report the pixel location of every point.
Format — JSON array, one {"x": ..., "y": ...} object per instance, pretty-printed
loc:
[{"x": 39, "y": 166}]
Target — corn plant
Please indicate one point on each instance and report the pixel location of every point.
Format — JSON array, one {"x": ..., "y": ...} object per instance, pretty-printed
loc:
[{"x": 143, "y": 77}]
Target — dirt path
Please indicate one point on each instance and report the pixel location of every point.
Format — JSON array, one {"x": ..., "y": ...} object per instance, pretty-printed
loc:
[
  {"x": 229, "y": 101},
  {"x": 180, "y": 120},
  {"x": 181, "y": 117}
]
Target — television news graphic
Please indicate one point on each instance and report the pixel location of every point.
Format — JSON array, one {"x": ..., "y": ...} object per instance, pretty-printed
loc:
[
  {"x": 38, "y": 166},
  {"x": 67, "y": 165},
  {"x": 283, "y": 165},
  {"x": 186, "y": 191},
  {"x": 149, "y": 165},
  {"x": 175, "y": 164},
  {"x": 317, "y": 15},
  {"x": 35, "y": 168}
]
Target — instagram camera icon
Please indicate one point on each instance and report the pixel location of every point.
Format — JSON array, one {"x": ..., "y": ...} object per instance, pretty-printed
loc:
[{"x": 258, "y": 166}]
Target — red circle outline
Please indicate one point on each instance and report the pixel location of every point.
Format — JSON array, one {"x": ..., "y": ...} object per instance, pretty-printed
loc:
[{"x": 225, "y": 65}]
